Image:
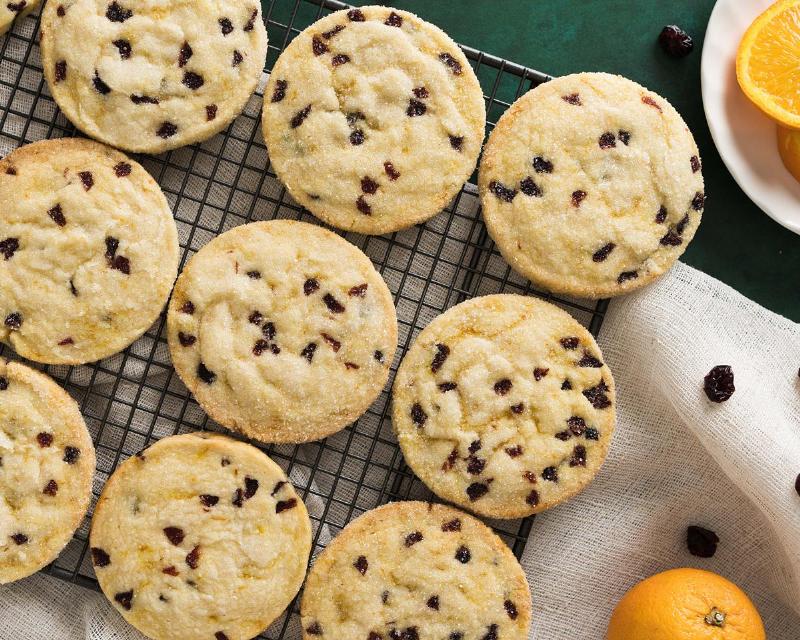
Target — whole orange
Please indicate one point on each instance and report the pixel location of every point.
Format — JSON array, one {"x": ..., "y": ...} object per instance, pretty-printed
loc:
[{"x": 685, "y": 604}]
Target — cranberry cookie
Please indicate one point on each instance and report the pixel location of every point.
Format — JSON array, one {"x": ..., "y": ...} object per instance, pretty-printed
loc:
[
  {"x": 11, "y": 12},
  {"x": 282, "y": 330},
  {"x": 200, "y": 536},
  {"x": 88, "y": 251},
  {"x": 504, "y": 406},
  {"x": 46, "y": 467},
  {"x": 416, "y": 571},
  {"x": 152, "y": 76},
  {"x": 591, "y": 185},
  {"x": 373, "y": 119}
]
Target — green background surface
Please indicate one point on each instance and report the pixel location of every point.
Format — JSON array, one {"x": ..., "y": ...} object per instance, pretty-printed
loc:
[{"x": 736, "y": 242}]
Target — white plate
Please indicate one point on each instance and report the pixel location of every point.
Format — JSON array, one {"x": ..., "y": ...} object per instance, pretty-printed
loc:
[{"x": 744, "y": 136}]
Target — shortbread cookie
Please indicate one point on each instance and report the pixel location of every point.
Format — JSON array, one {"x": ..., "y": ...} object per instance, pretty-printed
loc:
[
  {"x": 413, "y": 571},
  {"x": 200, "y": 536},
  {"x": 591, "y": 185},
  {"x": 88, "y": 251},
  {"x": 11, "y": 12},
  {"x": 152, "y": 76},
  {"x": 373, "y": 119},
  {"x": 46, "y": 467},
  {"x": 282, "y": 330},
  {"x": 504, "y": 406}
]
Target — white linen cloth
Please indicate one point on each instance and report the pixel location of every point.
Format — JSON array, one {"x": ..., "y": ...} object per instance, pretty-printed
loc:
[{"x": 677, "y": 459}]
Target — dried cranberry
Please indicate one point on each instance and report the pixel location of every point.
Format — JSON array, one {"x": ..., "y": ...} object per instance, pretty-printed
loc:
[
  {"x": 453, "y": 64},
  {"x": 205, "y": 374},
  {"x": 514, "y": 452},
  {"x": 16, "y": 7},
  {"x": 238, "y": 497},
  {"x": 378, "y": 355},
  {"x": 550, "y": 474},
  {"x": 578, "y": 458},
  {"x": 475, "y": 465},
  {"x": 701, "y": 542},
  {"x": 61, "y": 12},
  {"x": 475, "y": 446},
  {"x": 463, "y": 555},
  {"x": 184, "y": 55},
  {"x": 539, "y": 373},
  {"x": 174, "y": 534},
  {"x": 699, "y": 201},
  {"x": 279, "y": 93},
  {"x": 335, "y": 31},
  {"x": 517, "y": 408},
  {"x": 60, "y": 71},
  {"x": 624, "y": 136},
  {"x": 357, "y": 137},
  {"x": 361, "y": 565},
  {"x": 592, "y": 434},
  {"x": 444, "y": 387},
  {"x": 192, "y": 80},
  {"x": 166, "y": 130},
  {"x": 511, "y": 609},
  {"x": 413, "y": 538},
  {"x": 100, "y": 558},
  {"x": 577, "y": 425},
  {"x": 675, "y": 41},
  {"x": 3, "y": 387},
  {"x": 44, "y": 439},
  {"x": 355, "y": 15},
  {"x": 137, "y": 99},
  {"x": 237, "y": 58},
  {"x": 502, "y": 387},
  {"x": 332, "y": 342},
  {"x": 101, "y": 87},
  {"x": 418, "y": 415},
  {"x": 308, "y": 351},
  {"x": 662, "y": 214},
  {"x": 603, "y": 252},
  {"x": 718, "y": 383},
  {"x": 208, "y": 500},
  {"x": 491, "y": 633},
  {"x": 310, "y": 286},
  {"x": 251, "y": 21},
  {"x": 285, "y": 505},
  {"x": 318, "y": 46},
  {"x": 19, "y": 538},
  {"x": 225, "y": 25},
  {"x": 57, "y": 215},
  {"x": 588, "y": 360},
  {"x": 8, "y": 247},
  {"x": 570, "y": 342},
  {"x": 421, "y": 92},
  {"x": 13, "y": 321},
  {"x": 300, "y": 116},
  {"x": 502, "y": 191},
  {"x": 340, "y": 59},
  {"x": 530, "y": 476},
  {"x": 334, "y": 306},
  {"x": 433, "y": 603},
  {"x": 314, "y": 629},
  {"x": 671, "y": 239},
  {"x": 193, "y": 558},
  {"x": 391, "y": 172},
  {"x": 572, "y": 98},
  {"x": 442, "y": 352},
  {"x": 220, "y": 635},
  {"x": 363, "y": 206},
  {"x": 187, "y": 307},
  {"x": 530, "y": 188},
  {"x": 186, "y": 339},
  {"x": 578, "y": 197},
  {"x": 477, "y": 490},
  {"x": 71, "y": 455},
  {"x": 250, "y": 487},
  {"x": 797, "y": 484},
  {"x": 122, "y": 169},
  {"x": 541, "y": 165},
  {"x": 451, "y": 526},
  {"x": 358, "y": 291},
  {"x": 415, "y": 108},
  {"x": 597, "y": 395},
  {"x": 627, "y": 275},
  {"x": 695, "y": 163},
  {"x": 607, "y": 140},
  {"x": 651, "y": 103},
  {"x": 124, "y": 48},
  {"x": 532, "y": 498},
  {"x": 117, "y": 13},
  {"x": 450, "y": 461},
  {"x": 51, "y": 488},
  {"x": 125, "y": 599},
  {"x": 394, "y": 20},
  {"x": 368, "y": 185}
]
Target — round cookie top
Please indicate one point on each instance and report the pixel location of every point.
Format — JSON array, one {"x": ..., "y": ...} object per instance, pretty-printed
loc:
[
  {"x": 504, "y": 406},
  {"x": 373, "y": 119},
  {"x": 282, "y": 330},
  {"x": 148, "y": 75},
  {"x": 14, "y": 11},
  {"x": 415, "y": 570},
  {"x": 46, "y": 466},
  {"x": 88, "y": 251},
  {"x": 591, "y": 185},
  {"x": 200, "y": 536}
]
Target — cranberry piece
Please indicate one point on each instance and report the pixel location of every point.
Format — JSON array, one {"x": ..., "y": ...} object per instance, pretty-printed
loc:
[
  {"x": 391, "y": 172},
  {"x": 550, "y": 474},
  {"x": 57, "y": 215},
  {"x": 451, "y": 526},
  {"x": 193, "y": 558},
  {"x": 475, "y": 446},
  {"x": 332, "y": 342},
  {"x": 578, "y": 197},
  {"x": 340, "y": 59},
  {"x": 220, "y": 635},
  {"x": 8, "y": 247},
  {"x": 577, "y": 425},
  {"x": 184, "y": 55},
  {"x": 701, "y": 542},
  {"x": 624, "y": 136},
  {"x": 358, "y": 291},
  {"x": 695, "y": 163},
  {"x": 101, "y": 87},
  {"x": 285, "y": 505},
  {"x": 662, "y": 214},
  {"x": 16, "y": 7},
  {"x": 540, "y": 165},
  {"x": 444, "y": 387},
  {"x": 603, "y": 252},
  {"x": 570, "y": 343},
  {"x": 511, "y": 609},
  {"x": 501, "y": 191},
  {"x": 251, "y": 22},
  {"x": 450, "y": 461},
  {"x": 533, "y": 498},
  {"x": 44, "y": 439},
  {"x": 442, "y": 352},
  {"x": 718, "y": 383},
  {"x": 463, "y": 555},
  {"x": 356, "y": 15},
  {"x": 363, "y": 206},
  {"x": 502, "y": 387},
  {"x": 797, "y": 484},
  {"x": 124, "y": 48},
  {"x": 19, "y": 538},
  {"x": 421, "y": 92},
  {"x": 530, "y": 188},
  {"x": 170, "y": 571},
  {"x": 208, "y": 501},
  {"x": 122, "y": 169},
  {"x": 433, "y": 603},
  {"x": 588, "y": 360},
  {"x": 361, "y": 565},
  {"x": 597, "y": 396},
  {"x": 415, "y": 108},
  {"x": 13, "y": 321},
  {"x": 334, "y": 306},
  {"x": 378, "y": 355},
  {"x": 607, "y": 140},
  {"x": 71, "y": 455},
  {"x": 514, "y": 452},
  {"x": 192, "y": 80},
  {"x": 394, "y": 20},
  {"x": 539, "y": 373},
  {"x": 357, "y": 137},
  {"x": 318, "y": 46},
  {"x": 418, "y": 415},
  {"x": 455, "y": 635},
  {"x": 237, "y": 58},
  {"x": 174, "y": 534},
  {"x": 300, "y": 116},
  {"x": 186, "y": 339},
  {"x": 279, "y": 93},
  {"x": 675, "y": 41},
  {"x": 477, "y": 490},
  {"x": 60, "y": 71},
  {"x": 592, "y": 434},
  {"x": 61, "y": 12},
  {"x": 517, "y": 408},
  {"x": 136, "y": 99},
  {"x": 125, "y": 599},
  {"x": 368, "y": 185},
  {"x": 238, "y": 497},
  {"x": 336, "y": 30},
  {"x": 225, "y": 25},
  {"x": 3, "y": 387},
  {"x": 457, "y": 142},
  {"x": 250, "y": 487},
  {"x": 530, "y": 476},
  {"x": 627, "y": 275},
  {"x": 651, "y": 103},
  {"x": 475, "y": 465},
  {"x": 671, "y": 239},
  {"x": 314, "y": 629},
  {"x": 117, "y": 13},
  {"x": 413, "y": 538},
  {"x": 205, "y": 374},
  {"x": 578, "y": 458},
  {"x": 572, "y": 98},
  {"x": 51, "y": 488},
  {"x": 308, "y": 351},
  {"x": 491, "y": 633},
  {"x": 167, "y": 130},
  {"x": 453, "y": 64},
  {"x": 310, "y": 286},
  {"x": 679, "y": 228},
  {"x": 100, "y": 558},
  {"x": 699, "y": 201},
  {"x": 187, "y": 308}
]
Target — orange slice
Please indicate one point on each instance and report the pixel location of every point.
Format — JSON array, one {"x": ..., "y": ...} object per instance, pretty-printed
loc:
[
  {"x": 768, "y": 62},
  {"x": 789, "y": 149}
]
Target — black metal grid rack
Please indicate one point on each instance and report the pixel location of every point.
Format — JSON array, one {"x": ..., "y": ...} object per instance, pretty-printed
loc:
[{"x": 135, "y": 397}]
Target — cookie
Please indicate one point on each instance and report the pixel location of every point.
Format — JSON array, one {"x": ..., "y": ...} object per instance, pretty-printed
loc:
[
  {"x": 11, "y": 12},
  {"x": 282, "y": 330},
  {"x": 413, "y": 571},
  {"x": 373, "y": 119},
  {"x": 152, "y": 76},
  {"x": 591, "y": 185},
  {"x": 504, "y": 406},
  {"x": 88, "y": 251},
  {"x": 46, "y": 466},
  {"x": 200, "y": 536}
]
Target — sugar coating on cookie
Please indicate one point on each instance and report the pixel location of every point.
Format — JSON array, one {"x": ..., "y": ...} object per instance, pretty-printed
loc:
[
  {"x": 46, "y": 466},
  {"x": 591, "y": 185},
  {"x": 373, "y": 119},
  {"x": 88, "y": 251},
  {"x": 200, "y": 536},
  {"x": 282, "y": 330},
  {"x": 412, "y": 571},
  {"x": 152, "y": 76},
  {"x": 11, "y": 12},
  {"x": 504, "y": 406}
]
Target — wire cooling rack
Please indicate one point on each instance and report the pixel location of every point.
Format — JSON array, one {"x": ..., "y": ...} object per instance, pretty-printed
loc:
[{"x": 134, "y": 398}]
